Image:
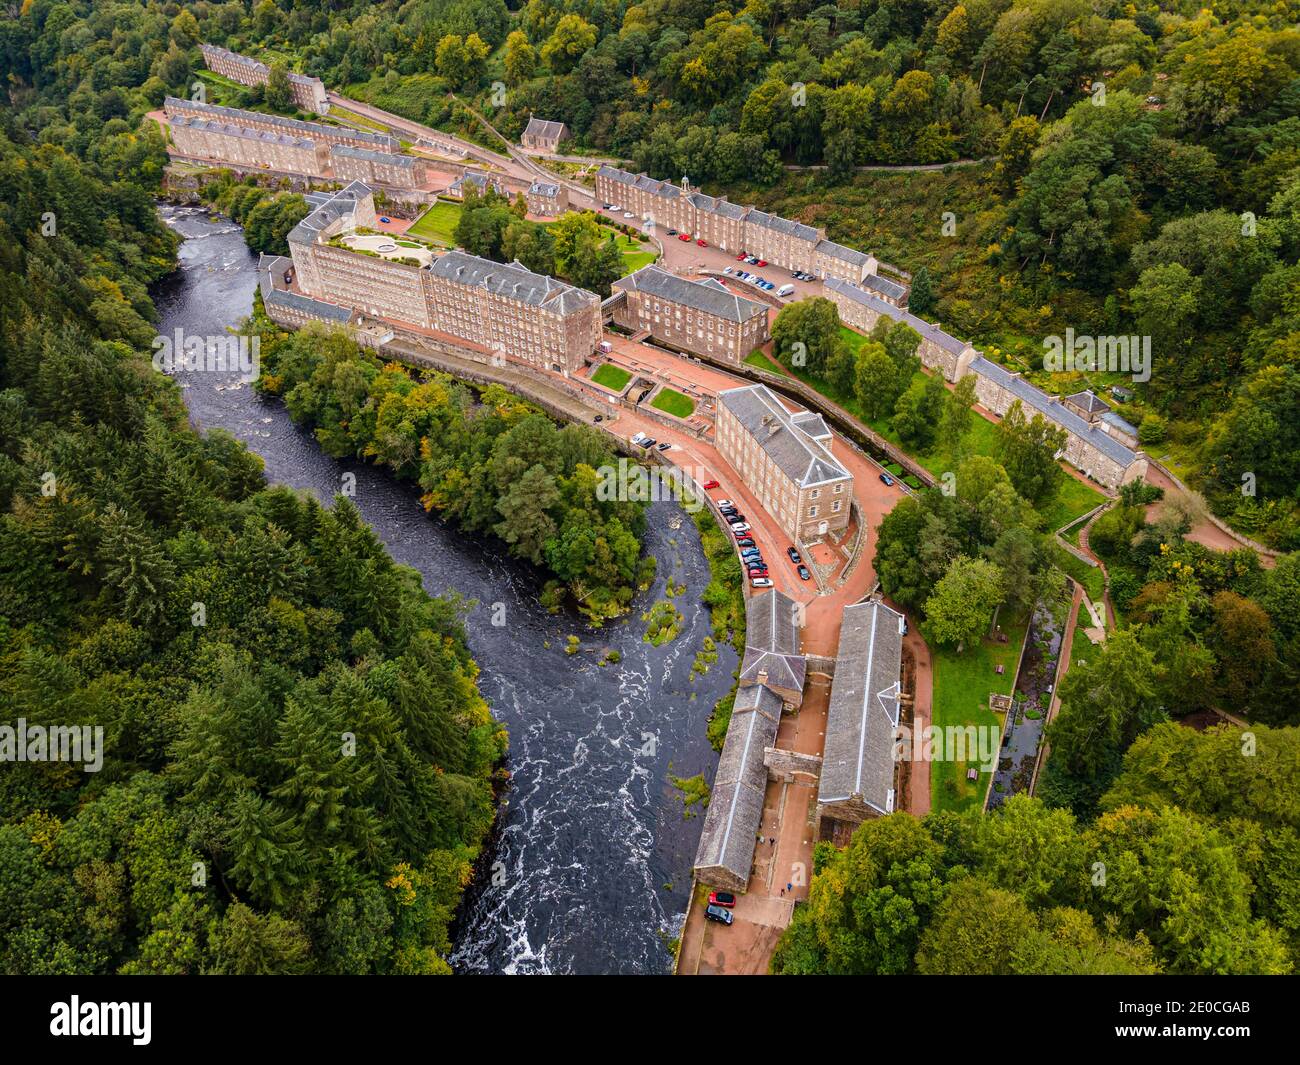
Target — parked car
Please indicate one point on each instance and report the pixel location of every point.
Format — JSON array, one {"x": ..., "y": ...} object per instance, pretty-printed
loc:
[
  {"x": 648, "y": 442},
  {"x": 795, "y": 557},
  {"x": 628, "y": 214},
  {"x": 740, "y": 527},
  {"x": 804, "y": 575},
  {"x": 717, "y": 913},
  {"x": 722, "y": 898},
  {"x": 757, "y": 573},
  {"x": 672, "y": 232},
  {"x": 664, "y": 446},
  {"x": 735, "y": 517},
  {"x": 598, "y": 418},
  {"x": 741, "y": 257},
  {"x": 745, "y": 541},
  {"x": 636, "y": 438},
  {"x": 702, "y": 243},
  {"x": 606, "y": 206},
  {"x": 751, "y": 554},
  {"x": 785, "y": 291},
  {"x": 710, "y": 485},
  {"x": 385, "y": 220},
  {"x": 726, "y": 269},
  {"x": 752, "y": 260},
  {"x": 761, "y": 262},
  {"x": 761, "y": 582},
  {"x": 885, "y": 479},
  {"x": 614, "y": 208},
  {"x": 722, "y": 502},
  {"x": 684, "y": 237},
  {"x": 742, "y": 275}
]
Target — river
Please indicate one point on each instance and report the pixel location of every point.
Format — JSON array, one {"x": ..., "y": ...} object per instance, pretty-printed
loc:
[{"x": 593, "y": 853}]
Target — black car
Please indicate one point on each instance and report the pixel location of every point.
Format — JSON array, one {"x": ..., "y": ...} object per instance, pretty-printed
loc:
[
  {"x": 648, "y": 442},
  {"x": 794, "y": 555},
  {"x": 598, "y": 418},
  {"x": 745, "y": 542},
  {"x": 804, "y": 575},
  {"x": 717, "y": 913},
  {"x": 733, "y": 518}
]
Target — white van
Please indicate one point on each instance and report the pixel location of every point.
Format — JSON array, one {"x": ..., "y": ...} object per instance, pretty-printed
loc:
[{"x": 785, "y": 291}]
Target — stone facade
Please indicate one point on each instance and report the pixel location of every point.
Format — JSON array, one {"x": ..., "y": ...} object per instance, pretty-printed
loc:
[
  {"x": 732, "y": 227},
  {"x": 702, "y": 317},
  {"x": 244, "y": 146},
  {"x": 542, "y": 135},
  {"x": 547, "y": 199},
  {"x": 308, "y": 93},
  {"x": 786, "y": 461},
  {"x": 861, "y": 310},
  {"x": 379, "y": 168},
  {"x": 499, "y": 307},
  {"x": 174, "y": 106}
]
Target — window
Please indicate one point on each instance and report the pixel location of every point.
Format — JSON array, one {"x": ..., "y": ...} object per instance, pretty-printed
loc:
[
  {"x": 835, "y": 508},
  {"x": 812, "y": 512}
]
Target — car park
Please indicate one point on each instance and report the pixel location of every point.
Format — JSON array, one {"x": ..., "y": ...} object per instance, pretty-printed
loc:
[
  {"x": 717, "y": 913},
  {"x": 804, "y": 575},
  {"x": 795, "y": 557},
  {"x": 710, "y": 485},
  {"x": 760, "y": 582},
  {"x": 722, "y": 898},
  {"x": 885, "y": 479}
]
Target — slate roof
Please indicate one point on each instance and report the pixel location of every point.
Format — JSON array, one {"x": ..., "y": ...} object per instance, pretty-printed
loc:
[
  {"x": 512, "y": 280},
  {"x": 540, "y": 127},
  {"x": 772, "y": 644},
  {"x": 784, "y": 225},
  {"x": 839, "y": 251},
  {"x": 615, "y": 174},
  {"x": 927, "y": 330},
  {"x": 736, "y": 805},
  {"x": 889, "y": 289},
  {"x": 230, "y": 129},
  {"x": 314, "y": 130},
  {"x": 544, "y": 188},
  {"x": 1122, "y": 424},
  {"x": 341, "y": 204},
  {"x": 763, "y": 416},
  {"x": 1054, "y": 411},
  {"x": 707, "y": 296},
  {"x": 864, "y": 708},
  {"x": 812, "y": 423},
  {"x": 387, "y": 158},
  {"x": 329, "y": 312},
  {"x": 1088, "y": 401}
]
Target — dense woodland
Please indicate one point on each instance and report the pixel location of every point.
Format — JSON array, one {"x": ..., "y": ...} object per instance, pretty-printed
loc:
[
  {"x": 298, "y": 765},
  {"x": 490, "y": 463}
]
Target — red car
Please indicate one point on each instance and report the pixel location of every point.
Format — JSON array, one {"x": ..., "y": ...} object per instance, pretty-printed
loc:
[
  {"x": 702, "y": 243},
  {"x": 710, "y": 485},
  {"x": 722, "y": 898},
  {"x": 741, "y": 257},
  {"x": 684, "y": 236},
  {"x": 761, "y": 262}
]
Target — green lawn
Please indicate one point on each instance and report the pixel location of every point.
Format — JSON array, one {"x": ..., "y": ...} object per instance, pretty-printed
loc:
[
  {"x": 962, "y": 683},
  {"x": 761, "y": 362},
  {"x": 438, "y": 224},
  {"x": 673, "y": 402},
  {"x": 611, "y": 376}
]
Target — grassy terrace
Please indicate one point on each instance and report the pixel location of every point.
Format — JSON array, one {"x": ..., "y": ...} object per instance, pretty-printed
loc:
[
  {"x": 760, "y": 361},
  {"x": 673, "y": 402},
  {"x": 611, "y": 376},
  {"x": 438, "y": 224},
  {"x": 962, "y": 683}
]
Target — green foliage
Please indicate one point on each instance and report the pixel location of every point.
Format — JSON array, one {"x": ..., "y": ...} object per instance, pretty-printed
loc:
[{"x": 491, "y": 462}]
